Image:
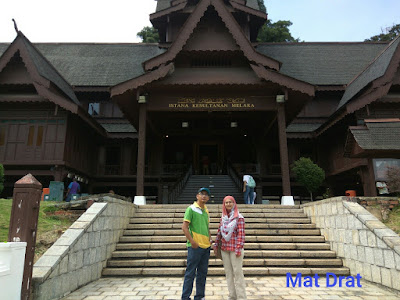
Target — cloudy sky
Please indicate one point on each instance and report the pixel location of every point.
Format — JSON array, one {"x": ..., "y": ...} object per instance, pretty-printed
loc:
[{"x": 114, "y": 21}]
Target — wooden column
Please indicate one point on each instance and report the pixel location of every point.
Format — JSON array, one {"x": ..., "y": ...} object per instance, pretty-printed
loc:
[
  {"x": 370, "y": 180},
  {"x": 283, "y": 149},
  {"x": 141, "y": 150},
  {"x": 23, "y": 224}
]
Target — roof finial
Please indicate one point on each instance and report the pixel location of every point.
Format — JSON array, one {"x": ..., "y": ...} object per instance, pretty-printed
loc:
[{"x": 15, "y": 26}]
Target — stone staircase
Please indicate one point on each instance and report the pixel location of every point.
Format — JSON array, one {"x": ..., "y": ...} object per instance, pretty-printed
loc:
[
  {"x": 279, "y": 239},
  {"x": 219, "y": 185}
]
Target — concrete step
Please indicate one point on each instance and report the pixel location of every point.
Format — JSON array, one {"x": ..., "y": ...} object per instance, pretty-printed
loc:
[
  {"x": 216, "y": 225},
  {"x": 304, "y": 220},
  {"x": 249, "y": 239},
  {"x": 279, "y": 239},
  {"x": 121, "y": 263},
  {"x": 247, "y": 246},
  {"x": 249, "y": 253},
  {"x": 215, "y": 271},
  {"x": 215, "y": 210},
  {"x": 211, "y": 207},
  {"x": 246, "y": 215},
  {"x": 171, "y": 232}
]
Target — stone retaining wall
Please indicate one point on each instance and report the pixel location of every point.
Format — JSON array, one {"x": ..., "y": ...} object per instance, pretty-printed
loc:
[
  {"x": 80, "y": 254},
  {"x": 364, "y": 243}
]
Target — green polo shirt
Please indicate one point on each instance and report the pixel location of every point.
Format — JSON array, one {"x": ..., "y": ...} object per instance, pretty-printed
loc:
[{"x": 199, "y": 220}]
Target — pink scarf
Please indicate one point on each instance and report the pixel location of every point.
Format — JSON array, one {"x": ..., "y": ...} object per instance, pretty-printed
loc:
[{"x": 228, "y": 221}]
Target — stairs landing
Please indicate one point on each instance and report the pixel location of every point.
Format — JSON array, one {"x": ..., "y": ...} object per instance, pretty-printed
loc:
[{"x": 219, "y": 185}]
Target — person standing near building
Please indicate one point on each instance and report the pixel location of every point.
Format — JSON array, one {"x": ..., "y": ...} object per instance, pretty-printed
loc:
[
  {"x": 196, "y": 229},
  {"x": 248, "y": 189},
  {"x": 231, "y": 235},
  {"x": 73, "y": 188}
]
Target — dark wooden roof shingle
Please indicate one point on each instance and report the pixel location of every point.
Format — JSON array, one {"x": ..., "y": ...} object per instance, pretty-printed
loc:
[
  {"x": 378, "y": 136},
  {"x": 322, "y": 63},
  {"x": 376, "y": 69}
]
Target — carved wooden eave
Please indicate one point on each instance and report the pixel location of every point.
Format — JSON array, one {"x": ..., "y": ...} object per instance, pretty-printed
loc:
[
  {"x": 180, "y": 5},
  {"x": 284, "y": 80},
  {"x": 248, "y": 10},
  {"x": 42, "y": 85},
  {"x": 330, "y": 88},
  {"x": 167, "y": 11},
  {"x": 233, "y": 27},
  {"x": 149, "y": 77},
  {"x": 46, "y": 90},
  {"x": 373, "y": 91}
]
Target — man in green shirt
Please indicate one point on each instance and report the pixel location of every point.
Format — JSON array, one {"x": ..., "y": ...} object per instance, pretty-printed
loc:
[{"x": 196, "y": 229}]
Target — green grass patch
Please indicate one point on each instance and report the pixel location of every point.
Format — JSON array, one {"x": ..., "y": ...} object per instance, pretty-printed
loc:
[
  {"x": 394, "y": 220},
  {"x": 51, "y": 224},
  {"x": 5, "y": 212}
]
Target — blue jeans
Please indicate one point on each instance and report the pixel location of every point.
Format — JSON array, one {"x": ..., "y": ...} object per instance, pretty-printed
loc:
[
  {"x": 248, "y": 195},
  {"x": 197, "y": 266}
]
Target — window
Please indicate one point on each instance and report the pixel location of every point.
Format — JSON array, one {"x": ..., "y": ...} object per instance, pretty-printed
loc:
[
  {"x": 31, "y": 134},
  {"x": 39, "y": 137},
  {"x": 94, "y": 109},
  {"x": 2, "y": 135}
]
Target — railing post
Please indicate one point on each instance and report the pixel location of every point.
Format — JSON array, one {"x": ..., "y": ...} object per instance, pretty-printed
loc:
[{"x": 23, "y": 223}]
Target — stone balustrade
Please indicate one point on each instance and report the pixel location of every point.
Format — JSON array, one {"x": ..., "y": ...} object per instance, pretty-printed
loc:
[
  {"x": 80, "y": 254},
  {"x": 364, "y": 243}
]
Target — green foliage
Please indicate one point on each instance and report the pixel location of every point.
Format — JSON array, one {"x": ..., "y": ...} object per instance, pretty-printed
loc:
[
  {"x": 261, "y": 5},
  {"x": 393, "y": 222},
  {"x": 393, "y": 179},
  {"x": 46, "y": 223},
  {"x": 276, "y": 32},
  {"x": 1, "y": 178},
  {"x": 308, "y": 174},
  {"x": 389, "y": 34},
  {"x": 149, "y": 35},
  {"x": 5, "y": 212}
]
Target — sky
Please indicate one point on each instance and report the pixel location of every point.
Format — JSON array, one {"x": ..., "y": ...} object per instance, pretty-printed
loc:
[{"x": 118, "y": 21}]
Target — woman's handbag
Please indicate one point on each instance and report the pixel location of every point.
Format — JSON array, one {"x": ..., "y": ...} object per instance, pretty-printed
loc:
[{"x": 217, "y": 250}]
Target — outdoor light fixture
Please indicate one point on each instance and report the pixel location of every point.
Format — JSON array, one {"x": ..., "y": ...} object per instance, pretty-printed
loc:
[
  {"x": 185, "y": 124},
  {"x": 234, "y": 124},
  {"x": 166, "y": 136},
  {"x": 245, "y": 135},
  {"x": 70, "y": 175},
  {"x": 142, "y": 99},
  {"x": 280, "y": 98}
]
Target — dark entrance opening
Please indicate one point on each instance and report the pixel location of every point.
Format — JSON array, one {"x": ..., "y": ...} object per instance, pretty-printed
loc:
[{"x": 208, "y": 158}]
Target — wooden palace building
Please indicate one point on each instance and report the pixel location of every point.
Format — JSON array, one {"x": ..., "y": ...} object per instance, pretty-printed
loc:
[{"x": 141, "y": 119}]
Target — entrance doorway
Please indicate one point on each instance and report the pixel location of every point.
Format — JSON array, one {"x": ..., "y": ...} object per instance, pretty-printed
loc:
[{"x": 208, "y": 158}]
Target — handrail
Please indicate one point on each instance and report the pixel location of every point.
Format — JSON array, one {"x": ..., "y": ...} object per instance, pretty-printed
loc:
[
  {"x": 178, "y": 187},
  {"x": 234, "y": 176}
]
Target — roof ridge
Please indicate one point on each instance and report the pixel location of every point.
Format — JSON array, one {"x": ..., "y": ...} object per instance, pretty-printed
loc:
[{"x": 374, "y": 60}]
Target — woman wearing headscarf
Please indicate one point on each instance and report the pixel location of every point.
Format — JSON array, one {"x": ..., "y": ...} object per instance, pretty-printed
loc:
[{"x": 231, "y": 234}]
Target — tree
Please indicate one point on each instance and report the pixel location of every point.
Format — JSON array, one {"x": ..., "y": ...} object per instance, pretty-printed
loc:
[
  {"x": 276, "y": 32},
  {"x": 261, "y": 5},
  {"x": 393, "y": 179},
  {"x": 388, "y": 34},
  {"x": 1, "y": 178},
  {"x": 308, "y": 174},
  {"x": 149, "y": 35}
]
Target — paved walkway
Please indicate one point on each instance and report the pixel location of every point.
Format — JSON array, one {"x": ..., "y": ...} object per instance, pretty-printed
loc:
[{"x": 257, "y": 288}]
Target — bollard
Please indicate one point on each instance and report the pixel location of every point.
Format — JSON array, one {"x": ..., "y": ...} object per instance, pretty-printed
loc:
[{"x": 23, "y": 223}]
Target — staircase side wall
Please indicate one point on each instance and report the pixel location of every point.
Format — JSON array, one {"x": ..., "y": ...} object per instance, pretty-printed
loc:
[
  {"x": 80, "y": 254},
  {"x": 365, "y": 244}
]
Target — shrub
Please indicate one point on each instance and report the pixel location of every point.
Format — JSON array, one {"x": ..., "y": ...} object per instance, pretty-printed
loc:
[
  {"x": 308, "y": 174},
  {"x": 393, "y": 179},
  {"x": 1, "y": 178}
]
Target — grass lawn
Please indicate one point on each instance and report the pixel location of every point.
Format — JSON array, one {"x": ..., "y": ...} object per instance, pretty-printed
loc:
[
  {"x": 394, "y": 220},
  {"x": 50, "y": 225}
]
